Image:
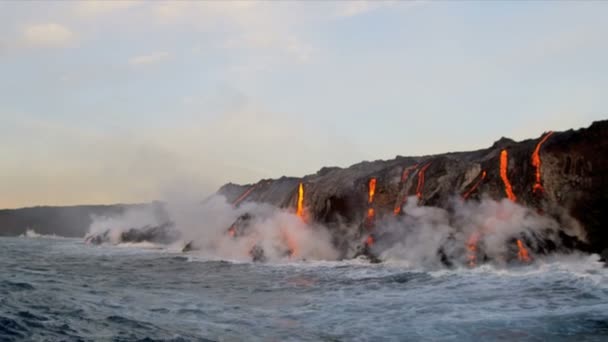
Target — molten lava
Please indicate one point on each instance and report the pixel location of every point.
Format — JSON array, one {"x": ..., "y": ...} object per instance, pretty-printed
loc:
[
  {"x": 404, "y": 177},
  {"x": 536, "y": 163},
  {"x": 243, "y": 196},
  {"x": 369, "y": 241},
  {"x": 232, "y": 231},
  {"x": 504, "y": 163},
  {"x": 300, "y": 209},
  {"x": 420, "y": 185},
  {"x": 522, "y": 254},
  {"x": 472, "y": 189},
  {"x": 372, "y": 190},
  {"x": 472, "y": 249},
  {"x": 371, "y": 214}
]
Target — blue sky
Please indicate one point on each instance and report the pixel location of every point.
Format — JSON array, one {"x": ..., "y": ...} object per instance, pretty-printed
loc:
[{"x": 105, "y": 102}]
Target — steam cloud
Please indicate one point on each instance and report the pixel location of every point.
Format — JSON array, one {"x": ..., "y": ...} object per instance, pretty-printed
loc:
[{"x": 423, "y": 236}]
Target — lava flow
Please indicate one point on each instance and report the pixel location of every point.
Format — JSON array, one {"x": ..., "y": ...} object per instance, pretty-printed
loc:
[
  {"x": 468, "y": 193},
  {"x": 369, "y": 241},
  {"x": 372, "y": 190},
  {"x": 300, "y": 209},
  {"x": 371, "y": 212},
  {"x": 243, "y": 196},
  {"x": 536, "y": 163},
  {"x": 420, "y": 185},
  {"x": 472, "y": 249},
  {"x": 504, "y": 161},
  {"x": 522, "y": 254},
  {"x": 404, "y": 176}
]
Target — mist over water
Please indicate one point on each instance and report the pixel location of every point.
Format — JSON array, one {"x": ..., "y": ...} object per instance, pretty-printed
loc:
[
  {"x": 62, "y": 289},
  {"x": 422, "y": 236}
]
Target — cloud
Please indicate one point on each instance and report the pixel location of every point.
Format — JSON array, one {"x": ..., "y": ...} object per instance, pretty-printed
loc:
[
  {"x": 153, "y": 58},
  {"x": 48, "y": 35},
  {"x": 354, "y": 8},
  {"x": 103, "y": 7}
]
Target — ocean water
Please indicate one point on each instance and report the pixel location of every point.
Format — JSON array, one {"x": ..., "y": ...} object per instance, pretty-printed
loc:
[{"x": 54, "y": 289}]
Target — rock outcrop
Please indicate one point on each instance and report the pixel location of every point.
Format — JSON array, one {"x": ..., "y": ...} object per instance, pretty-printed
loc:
[{"x": 568, "y": 181}]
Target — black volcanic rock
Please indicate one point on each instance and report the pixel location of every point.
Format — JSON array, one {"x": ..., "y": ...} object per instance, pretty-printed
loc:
[{"x": 574, "y": 173}]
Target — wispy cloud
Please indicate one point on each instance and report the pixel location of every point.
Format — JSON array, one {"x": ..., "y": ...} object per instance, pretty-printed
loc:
[
  {"x": 91, "y": 7},
  {"x": 48, "y": 35},
  {"x": 354, "y": 8},
  {"x": 152, "y": 58}
]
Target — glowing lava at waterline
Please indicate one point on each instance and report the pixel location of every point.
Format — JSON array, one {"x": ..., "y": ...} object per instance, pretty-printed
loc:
[
  {"x": 504, "y": 163},
  {"x": 472, "y": 249},
  {"x": 522, "y": 254},
  {"x": 536, "y": 163}
]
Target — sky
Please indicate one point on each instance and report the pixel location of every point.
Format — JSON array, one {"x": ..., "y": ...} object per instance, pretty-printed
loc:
[{"x": 128, "y": 101}]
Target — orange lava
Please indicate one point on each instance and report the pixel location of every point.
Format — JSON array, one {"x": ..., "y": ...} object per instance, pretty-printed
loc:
[
  {"x": 472, "y": 249},
  {"x": 243, "y": 196},
  {"x": 536, "y": 163},
  {"x": 420, "y": 185},
  {"x": 372, "y": 190},
  {"x": 369, "y": 241},
  {"x": 397, "y": 209},
  {"x": 300, "y": 209},
  {"x": 232, "y": 231},
  {"x": 472, "y": 189},
  {"x": 504, "y": 162},
  {"x": 404, "y": 177},
  {"x": 523, "y": 254},
  {"x": 371, "y": 213}
]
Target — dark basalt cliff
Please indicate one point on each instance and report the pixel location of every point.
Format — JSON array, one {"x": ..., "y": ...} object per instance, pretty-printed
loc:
[{"x": 573, "y": 182}]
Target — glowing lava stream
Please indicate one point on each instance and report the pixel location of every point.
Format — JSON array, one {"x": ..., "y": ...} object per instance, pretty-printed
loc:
[
  {"x": 522, "y": 254},
  {"x": 243, "y": 196},
  {"x": 468, "y": 193},
  {"x": 472, "y": 249},
  {"x": 369, "y": 241},
  {"x": 420, "y": 185},
  {"x": 504, "y": 163},
  {"x": 372, "y": 190},
  {"x": 536, "y": 163},
  {"x": 371, "y": 212},
  {"x": 404, "y": 176},
  {"x": 300, "y": 209}
]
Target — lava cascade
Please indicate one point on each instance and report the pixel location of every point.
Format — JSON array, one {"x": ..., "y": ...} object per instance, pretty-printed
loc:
[
  {"x": 522, "y": 254},
  {"x": 472, "y": 249},
  {"x": 369, "y": 241},
  {"x": 474, "y": 187},
  {"x": 243, "y": 196},
  {"x": 536, "y": 162},
  {"x": 371, "y": 212},
  {"x": 504, "y": 163},
  {"x": 372, "y": 190},
  {"x": 401, "y": 201},
  {"x": 420, "y": 186},
  {"x": 300, "y": 208}
]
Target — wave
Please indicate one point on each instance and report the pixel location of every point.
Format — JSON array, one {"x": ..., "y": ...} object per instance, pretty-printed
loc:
[
  {"x": 141, "y": 245},
  {"x": 30, "y": 233}
]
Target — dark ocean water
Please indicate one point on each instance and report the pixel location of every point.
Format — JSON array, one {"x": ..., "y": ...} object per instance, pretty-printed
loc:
[{"x": 62, "y": 289}]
